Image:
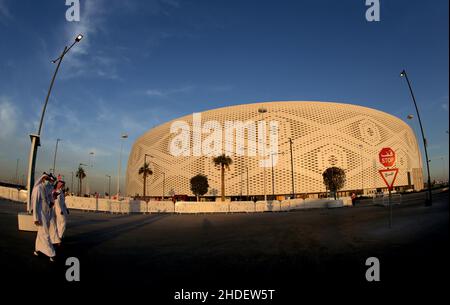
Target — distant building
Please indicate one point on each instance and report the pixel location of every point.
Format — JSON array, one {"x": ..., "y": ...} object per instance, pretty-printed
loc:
[{"x": 323, "y": 135}]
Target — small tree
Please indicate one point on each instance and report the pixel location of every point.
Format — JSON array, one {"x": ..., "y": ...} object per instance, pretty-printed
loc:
[
  {"x": 222, "y": 161},
  {"x": 145, "y": 171},
  {"x": 199, "y": 185},
  {"x": 334, "y": 179},
  {"x": 80, "y": 175}
]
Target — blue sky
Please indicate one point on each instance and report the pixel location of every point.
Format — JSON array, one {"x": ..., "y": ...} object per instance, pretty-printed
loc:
[{"x": 142, "y": 63}]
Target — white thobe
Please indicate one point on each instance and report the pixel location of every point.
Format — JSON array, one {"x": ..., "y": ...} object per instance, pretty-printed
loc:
[
  {"x": 41, "y": 212},
  {"x": 52, "y": 228},
  {"x": 61, "y": 214}
]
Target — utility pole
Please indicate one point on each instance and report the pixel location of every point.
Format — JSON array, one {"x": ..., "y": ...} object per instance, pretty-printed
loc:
[
  {"x": 292, "y": 169},
  {"x": 17, "y": 172},
  {"x": 54, "y": 157}
]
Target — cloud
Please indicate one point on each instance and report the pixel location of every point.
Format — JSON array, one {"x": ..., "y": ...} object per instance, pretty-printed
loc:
[
  {"x": 85, "y": 59},
  {"x": 4, "y": 11},
  {"x": 155, "y": 92},
  {"x": 9, "y": 118},
  {"x": 169, "y": 92},
  {"x": 186, "y": 89}
]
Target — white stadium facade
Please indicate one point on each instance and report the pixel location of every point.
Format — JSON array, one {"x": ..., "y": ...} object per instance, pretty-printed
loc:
[{"x": 323, "y": 135}]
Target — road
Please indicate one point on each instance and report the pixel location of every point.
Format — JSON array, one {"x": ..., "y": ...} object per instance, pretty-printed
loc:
[{"x": 293, "y": 252}]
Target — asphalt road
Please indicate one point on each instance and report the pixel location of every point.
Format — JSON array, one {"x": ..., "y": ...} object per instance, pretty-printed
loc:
[{"x": 296, "y": 253}]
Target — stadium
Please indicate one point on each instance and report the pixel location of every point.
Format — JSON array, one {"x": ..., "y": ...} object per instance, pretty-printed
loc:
[{"x": 308, "y": 138}]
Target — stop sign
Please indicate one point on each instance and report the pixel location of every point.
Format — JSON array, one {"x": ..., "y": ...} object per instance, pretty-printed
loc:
[{"x": 387, "y": 157}]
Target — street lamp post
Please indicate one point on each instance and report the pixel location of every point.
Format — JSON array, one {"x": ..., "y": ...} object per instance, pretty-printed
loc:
[
  {"x": 123, "y": 137},
  {"x": 444, "y": 169},
  {"x": 248, "y": 188},
  {"x": 35, "y": 138},
  {"x": 292, "y": 169},
  {"x": 109, "y": 186},
  {"x": 362, "y": 169},
  {"x": 17, "y": 172},
  {"x": 54, "y": 157},
  {"x": 164, "y": 185},
  {"x": 91, "y": 166},
  {"x": 273, "y": 173},
  {"x": 429, "y": 200},
  {"x": 262, "y": 111}
]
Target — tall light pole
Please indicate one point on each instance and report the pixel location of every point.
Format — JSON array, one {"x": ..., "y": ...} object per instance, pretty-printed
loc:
[
  {"x": 72, "y": 185},
  {"x": 122, "y": 137},
  {"x": 262, "y": 111},
  {"x": 429, "y": 200},
  {"x": 292, "y": 169},
  {"x": 35, "y": 138},
  {"x": 273, "y": 173},
  {"x": 17, "y": 172},
  {"x": 444, "y": 169},
  {"x": 362, "y": 169},
  {"x": 54, "y": 157},
  {"x": 109, "y": 186},
  {"x": 91, "y": 165},
  {"x": 248, "y": 188},
  {"x": 164, "y": 185}
]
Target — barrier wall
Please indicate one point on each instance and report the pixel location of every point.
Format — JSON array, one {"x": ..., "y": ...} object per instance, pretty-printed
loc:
[
  {"x": 190, "y": 207},
  {"x": 13, "y": 194}
]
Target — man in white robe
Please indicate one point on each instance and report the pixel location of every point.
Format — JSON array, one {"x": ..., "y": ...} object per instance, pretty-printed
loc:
[
  {"x": 41, "y": 215},
  {"x": 61, "y": 210},
  {"x": 53, "y": 228}
]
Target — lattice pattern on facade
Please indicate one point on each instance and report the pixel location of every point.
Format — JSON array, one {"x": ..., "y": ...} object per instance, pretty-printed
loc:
[{"x": 324, "y": 134}]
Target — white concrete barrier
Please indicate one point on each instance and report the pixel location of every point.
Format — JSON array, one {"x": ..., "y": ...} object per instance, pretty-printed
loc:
[
  {"x": 13, "y": 194},
  {"x": 139, "y": 206},
  {"x": 241, "y": 206},
  {"x": 26, "y": 222}
]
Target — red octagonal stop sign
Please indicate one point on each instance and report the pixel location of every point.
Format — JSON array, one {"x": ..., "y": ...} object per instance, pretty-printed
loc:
[{"x": 387, "y": 157}]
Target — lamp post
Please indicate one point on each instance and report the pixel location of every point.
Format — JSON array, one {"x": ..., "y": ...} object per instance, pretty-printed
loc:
[
  {"x": 248, "y": 187},
  {"x": 292, "y": 169},
  {"x": 17, "y": 172},
  {"x": 54, "y": 156},
  {"x": 123, "y": 137},
  {"x": 109, "y": 185},
  {"x": 72, "y": 185},
  {"x": 273, "y": 173},
  {"x": 90, "y": 166},
  {"x": 429, "y": 200},
  {"x": 362, "y": 169},
  {"x": 262, "y": 111},
  {"x": 91, "y": 156},
  {"x": 35, "y": 138},
  {"x": 164, "y": 185}
]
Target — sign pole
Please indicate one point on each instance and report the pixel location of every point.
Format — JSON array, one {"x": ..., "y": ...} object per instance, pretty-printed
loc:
[
  {"x": 390, "y": 209},
  {"x": 387, "y": 158}
]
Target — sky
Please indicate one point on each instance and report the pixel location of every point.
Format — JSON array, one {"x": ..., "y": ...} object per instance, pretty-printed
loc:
[{"x": 142, "y": 63}]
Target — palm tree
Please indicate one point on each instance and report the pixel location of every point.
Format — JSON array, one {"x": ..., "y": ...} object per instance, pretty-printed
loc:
[
  {"x": 80, "y": 175},
  {"x": 222, "y": 161},
  {"x": 145, "y": 171}
]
